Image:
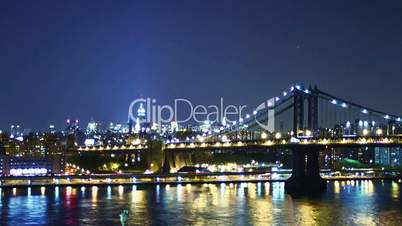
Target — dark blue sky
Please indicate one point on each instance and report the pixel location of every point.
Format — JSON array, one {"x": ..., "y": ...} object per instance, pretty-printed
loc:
[{"x": 77, "y": 59}]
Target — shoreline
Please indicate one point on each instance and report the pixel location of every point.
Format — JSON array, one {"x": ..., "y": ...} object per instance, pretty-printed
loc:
[{"x": 216, "y": 181}]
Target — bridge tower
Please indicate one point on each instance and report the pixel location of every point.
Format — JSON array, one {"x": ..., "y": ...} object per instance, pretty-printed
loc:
[
  {"x": 298, "y": 111},
  {"x": 312, "y": 117},
  {"x": 305, "y": 177}
]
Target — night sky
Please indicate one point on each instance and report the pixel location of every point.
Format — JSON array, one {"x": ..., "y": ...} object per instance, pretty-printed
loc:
[{"x": 83, "y": 59}]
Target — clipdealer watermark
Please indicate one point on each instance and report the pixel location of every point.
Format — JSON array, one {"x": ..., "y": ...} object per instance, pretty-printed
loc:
[{"x": 263, "y": 115}]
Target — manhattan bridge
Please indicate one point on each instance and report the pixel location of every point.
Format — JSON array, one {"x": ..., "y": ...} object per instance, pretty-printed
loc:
[{"x": 303, "y": 120}]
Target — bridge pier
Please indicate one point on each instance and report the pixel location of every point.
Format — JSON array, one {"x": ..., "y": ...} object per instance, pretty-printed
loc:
[{"x": 305, "y": 177}]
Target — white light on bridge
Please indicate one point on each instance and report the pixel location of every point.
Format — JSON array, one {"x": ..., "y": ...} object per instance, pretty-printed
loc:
[
  {"x": 247, "y": 116},
  {"x": 298, "y": 87},
  {"x": 278, "y": 135},
  {"x": 378, "y": 132},
  {"x": 285, "y": 93},
  {"x": 254, "y": 112},
  {"x": 364, "y": 111},
  {"x": 365, "y": 123},
  {"x": 276, "y": 98},
  {"x": 294, "y": 140},
  {"x": 344, "y": 105},
  {"x": 307, "y": 91},
  {"x": 347, "y": 124},
  {"x": 398, "y": 119},
  {"x": 201, "y": 139},
  {"x": 225, "y": 138},
  {"x": 386, "y": 116},
  {"x": 365, "y": 132},
  {"x": 334, "y": 101},
  {"x": 264, "y": 135},
  {"x": 292, "y": 88}
]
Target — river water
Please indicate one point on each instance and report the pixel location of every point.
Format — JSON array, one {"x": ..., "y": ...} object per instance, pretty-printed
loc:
[{"x": 344, "y": 203}]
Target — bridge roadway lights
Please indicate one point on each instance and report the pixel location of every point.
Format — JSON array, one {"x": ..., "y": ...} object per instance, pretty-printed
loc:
[{"x": 305, "y": 177}]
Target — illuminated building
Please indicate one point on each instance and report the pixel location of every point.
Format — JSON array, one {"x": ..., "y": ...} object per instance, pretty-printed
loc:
[
  {"x": 31, "y": 166},
  {"x": 52, "y": 129},
  {"x": 388, "y": 156},
  {"x": 141, "y": 123},
  {"x": 174, "y": 127},
  {"x": 92, "y": 127},
  {"x": 71, "y": 126},
  {"x": 141, "y": 113},
  {"x": 137, "y": 126}
]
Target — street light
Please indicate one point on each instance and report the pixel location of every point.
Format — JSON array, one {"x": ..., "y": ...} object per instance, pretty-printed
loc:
[
  {"x": 264, "y": 135},
  {"x": 378, "y": 132}
]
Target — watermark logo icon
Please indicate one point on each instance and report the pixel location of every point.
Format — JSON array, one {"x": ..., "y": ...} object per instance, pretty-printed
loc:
[
  {"x": 266, "y": 118},
  {"x": 184, "y": 111}
]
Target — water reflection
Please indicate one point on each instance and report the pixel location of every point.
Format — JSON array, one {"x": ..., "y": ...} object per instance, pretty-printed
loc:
[
  {"x": 42, "y": 190},
  {"x": 395, "y": 190},
  {"x": 346, "y": 202},
  {"x": 109, "y": 192},
  {"x": 121, "y": 191},
  {"x": 94, "y": 195},
  {"x": 278, "y": 190},
  {"x": 33, "y": 208},
  {"x": 56, "y": 192}
]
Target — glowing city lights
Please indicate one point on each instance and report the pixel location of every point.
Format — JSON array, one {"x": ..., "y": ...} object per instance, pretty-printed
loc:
[
  {"x": 379, "y": 132},
  {"x": 278, "y": 136},
  {"x": 365, "y": 132}
]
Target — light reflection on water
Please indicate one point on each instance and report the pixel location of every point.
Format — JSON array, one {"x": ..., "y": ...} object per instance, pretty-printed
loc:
[{"x": 347, "y": 202}]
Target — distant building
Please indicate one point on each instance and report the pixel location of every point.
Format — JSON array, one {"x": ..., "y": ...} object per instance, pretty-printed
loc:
[
  {"x": 31, "y": 166},
  {"x": 174, "y": 127},
  {"x": 52, "y": 129},
  {"x": 388, "y": 156},
  {"x": 92, "y": 127},
  {"x": 72, "y": 126},
  {"x": 141, "y": 113},
  {"x": 141, "y": 125}
]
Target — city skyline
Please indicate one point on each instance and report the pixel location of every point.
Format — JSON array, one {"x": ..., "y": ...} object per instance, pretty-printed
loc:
[
  {"x": 181, "y": 112},
  {"x": 79, "y": 60}
]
